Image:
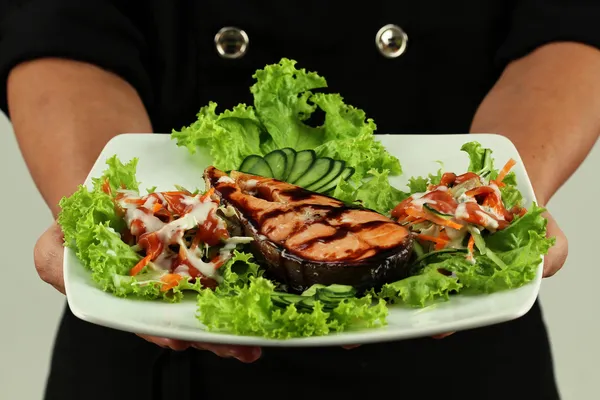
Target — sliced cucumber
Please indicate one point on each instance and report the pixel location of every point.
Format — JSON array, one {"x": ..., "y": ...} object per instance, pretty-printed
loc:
[
  {"x": 249, "y": 162},
  {"x": 487, "y": 163},
  {"x": 307, "y": 303},
  {"x": 418, "y": 249},
  {"x": 344, "y": 175},
  {"x": 336, "y": 292},
  {"x": 436, "y": 212},
  {"x": 334, "y": 172},
  {"x": 285, "y": 299},
  {"x": 316, "y": 172},
  {"x": 277, "y": 161},
  {"x": 256, "y": 165},
  {"x": 329, "y": 297},
  {"x": 290, "y": 154},
  {"x": 311, "y": 291},
  {"x": 304, "y": 161},
  {"x": 483, "y": 249}
]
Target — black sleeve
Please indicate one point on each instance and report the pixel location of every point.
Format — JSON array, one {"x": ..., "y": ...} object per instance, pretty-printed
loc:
[
  {"x": 539, "y": 22},
  {"x": 93, "y": 31}
]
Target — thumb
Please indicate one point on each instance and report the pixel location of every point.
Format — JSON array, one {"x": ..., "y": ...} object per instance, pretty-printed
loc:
[{"x": 48, "y": 257}]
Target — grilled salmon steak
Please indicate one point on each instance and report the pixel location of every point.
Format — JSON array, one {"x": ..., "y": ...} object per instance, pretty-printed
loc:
[{"x": 306, "y": 238}]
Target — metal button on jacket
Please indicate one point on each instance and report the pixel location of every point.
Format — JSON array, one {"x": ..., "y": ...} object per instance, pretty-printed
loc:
[
  {"x": 231, "y": 42},
  {"x": 391, "y": 41}
]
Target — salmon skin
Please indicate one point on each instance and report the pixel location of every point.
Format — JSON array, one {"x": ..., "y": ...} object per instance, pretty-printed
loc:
[{"x": 305, "y": 238}]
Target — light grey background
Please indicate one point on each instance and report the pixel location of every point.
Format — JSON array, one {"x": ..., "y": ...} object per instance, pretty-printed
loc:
[{"x": 30, "y": 309}]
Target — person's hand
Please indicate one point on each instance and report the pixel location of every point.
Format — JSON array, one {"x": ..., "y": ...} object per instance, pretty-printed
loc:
[
  {"x": 557, "y": 255},
  {"x": 48, "y": 259},
  {"x": 246, "y": 354}
]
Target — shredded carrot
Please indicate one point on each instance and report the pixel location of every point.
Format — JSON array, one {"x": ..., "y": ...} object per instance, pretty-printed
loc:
[
  {"x": 140, "y": 265},
  {"x": 412, "y": 220},
  {"x": 433, "y": 239},
  {"x": 106, "y": 187},
  {"x": 520, "y": 211},
  {"x": 504, "y": 171},
  {"x": 207, "y": 194},
  {"x": 170, "y": 281},
  {"x": 156, "y": 207},
  {"x": 443, "y": 236},
  {"x": 218, "y": 262},
  {"x": 409, "y": 219},
  {"x": 182, "y": 253},
  {"x": 471, "y": 244},
  {"x": 176, "y": 193},
  {"x": 433, "y": 218},
  {"x": 134, "y": 201}
]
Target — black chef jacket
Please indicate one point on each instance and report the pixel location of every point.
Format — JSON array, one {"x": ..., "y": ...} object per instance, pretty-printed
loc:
[{"x": 456, "y": 51}]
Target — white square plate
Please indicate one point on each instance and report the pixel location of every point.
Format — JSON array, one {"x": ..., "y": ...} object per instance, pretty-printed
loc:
[{"x": 163, "y": 164}]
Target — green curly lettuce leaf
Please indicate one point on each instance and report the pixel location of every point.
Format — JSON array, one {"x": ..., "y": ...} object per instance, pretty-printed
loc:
[
  {"x": 428, "y": 287},
  {"x": 510, "y": 257},
  {"x": 375, "y": 193},
  {"x": 283, "y": 102},
  {"x": 91, "y": 227},
  {"x": 242, "y": 305},
  {"x": 230, "y": 136},
  {"x": 282, "y": 95}
]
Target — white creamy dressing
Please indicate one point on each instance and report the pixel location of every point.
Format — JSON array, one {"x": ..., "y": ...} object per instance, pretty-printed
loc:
[
  {"x": 461, "y": 211},
  {"x": 463, "y": 198},
  {"x": 174, "y": 230},
  {"x": 164, "y": 260},
  {"x": 151, "y": 223},
  {"x": 456, "y": 237},
  {"x": 225, "y": 179},
  {"x": 251, "y": 184},
  {"x": 489, "y": 221},
  {"x": 188, "y": 201},
  {"x": 173, "y": 233},
  {"x": 182, "y": 270},
  {"x": 129, "y": 193},
  {"x": 160, "y": 197},
  {"x": 206, "y": 268},
  {"x": 221, "y": 224},
  {"x": 235, "y": 240},
  {"x": 421, "y": 201},
  {"x": 493, "y": 212},
  {"x": 149, "y": 203},
  {"x": 496, "y": 189}
]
